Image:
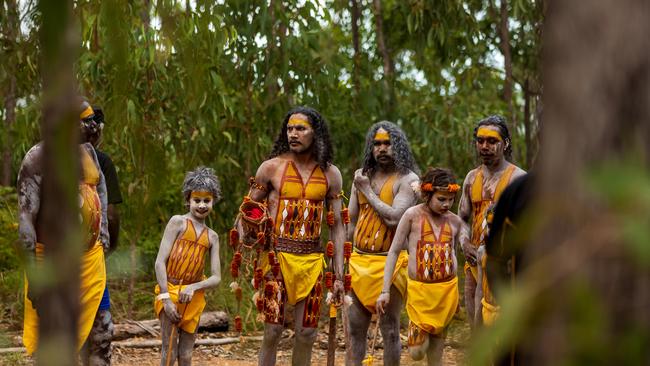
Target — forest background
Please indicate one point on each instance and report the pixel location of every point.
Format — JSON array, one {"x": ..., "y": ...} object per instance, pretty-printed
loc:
[{"x": 195, "y": 83}]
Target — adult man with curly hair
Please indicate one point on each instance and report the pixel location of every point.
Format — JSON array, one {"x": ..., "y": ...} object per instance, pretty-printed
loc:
[
  {"x": 299, "y": 183},
  {"x": 382, "y": 191}
]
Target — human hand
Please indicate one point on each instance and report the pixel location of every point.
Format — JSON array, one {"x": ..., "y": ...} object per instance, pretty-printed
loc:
[
  {"x": 361, "y": 182},
  {"x": 382, "y": 302},
  {"x": 338, "y": 290},
  {"x": 186, "y": 294},
  {"x": 469, "y": 251},
  {"x": 170, "y": 310}
]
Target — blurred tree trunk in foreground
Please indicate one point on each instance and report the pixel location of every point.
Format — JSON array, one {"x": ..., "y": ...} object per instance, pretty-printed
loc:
[
  {"x": 10, "y": 30},
  {"x": 584, "y": 290},
  {"x": 57, "y": 281}
]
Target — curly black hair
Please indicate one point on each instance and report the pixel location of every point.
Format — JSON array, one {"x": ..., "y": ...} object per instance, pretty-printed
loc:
[
  {"x": 437, "y": 177},
  {"x": 500, "y": 122},
  {"x": 323, "y": 150},
  {"x": 201, "y": 179},
  {"x": 404, "y": 161}
]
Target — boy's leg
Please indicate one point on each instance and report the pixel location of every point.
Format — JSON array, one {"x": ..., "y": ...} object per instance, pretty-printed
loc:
[
  {"x": 169, "y": 334},
  {"x": 185, "y": 348},
  {"x": 434, "y": 352},
  {"x": 418, "y": 341},
  {"x": 359, "y": 320}
]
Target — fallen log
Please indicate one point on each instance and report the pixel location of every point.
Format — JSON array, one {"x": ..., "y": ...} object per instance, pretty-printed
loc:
[
  {"x": 13, "y": 350},
  {"x": 214, "y": 321},
  {"x": 150, "y": 343}
]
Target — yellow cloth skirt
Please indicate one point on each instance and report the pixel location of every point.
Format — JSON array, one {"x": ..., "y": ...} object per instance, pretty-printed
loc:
[
  {"x": 300, "y": 273},
  {"x": 489, "y": 312},
  {"x": 92, "y": 284},
  {"x": 190, "y": 312},
  {"x": 431, "y": 306},
  {"x": 367, "y": 272}
]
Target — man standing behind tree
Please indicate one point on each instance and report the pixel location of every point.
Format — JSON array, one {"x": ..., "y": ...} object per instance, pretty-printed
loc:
[
  {"x": 299, "y": 182},
  {"x": 481, "y": 189},
  {"x": 381, "y": 192},
  {"x": 97, "y": 351},
  {"x": 92, "y": 200}
]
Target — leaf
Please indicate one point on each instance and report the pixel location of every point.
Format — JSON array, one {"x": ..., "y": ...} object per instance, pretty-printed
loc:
[{"x": 228, "y": 136}]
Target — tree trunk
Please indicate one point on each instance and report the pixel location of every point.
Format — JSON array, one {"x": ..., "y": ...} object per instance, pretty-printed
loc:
[
  {"x": 10, "y": 30},
  {"x": 271, "y": 82},
  {"x": 146, "y": 120},
  {"x": 504, "y": 45},
  {"x": 590, "y": 282},
  {"x": 389, "y": 67},
  {"x": 59, "y": 189},
  {"x": 527, "y": 126},
  {"x": 356, "y": 15}
]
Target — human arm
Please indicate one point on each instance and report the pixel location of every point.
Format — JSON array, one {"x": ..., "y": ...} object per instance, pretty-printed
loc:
[
  {"x": 173, "y": 228},
  {"x": 215, "y": 272},
  {"x": 29, "y": 188},
  {"x": 104, "y": 236},
  {"x": 478, "y": 295},
  {"x": 262, "y": 184},
  {"x": 465, "y": 213},
  {"x": 463, "y": 240},
  {"x": 114, "y": 198},
  {"x": 259, "y": 191},
  {"x": 400, "y": 242},
  {"x": 29, "y": 198},
  {"x": 113, "y": 215},
  {"x": 337, "y": 233},
  {"x": 404, "y": 198},
  {"x": 353, "y": 210}
]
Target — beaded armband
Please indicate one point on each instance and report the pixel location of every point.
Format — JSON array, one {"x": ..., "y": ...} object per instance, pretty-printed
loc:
[{"x": 253, "y": 184}]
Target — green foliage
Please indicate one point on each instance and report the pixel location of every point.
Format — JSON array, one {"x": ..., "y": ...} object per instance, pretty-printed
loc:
[{"x": 207, "y": 83}]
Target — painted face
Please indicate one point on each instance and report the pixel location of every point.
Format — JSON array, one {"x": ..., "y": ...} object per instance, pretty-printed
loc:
[
  {"x": 382, "y": 150},
  {"x": 201, "y": 204},
  {"x": 91, "y": 130},
  {"x": 441, "y": 202},
  {"x": 300, "y": 133},
  {"x": 489, "y": 144}
]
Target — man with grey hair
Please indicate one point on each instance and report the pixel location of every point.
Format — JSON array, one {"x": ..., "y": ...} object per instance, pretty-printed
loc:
[
  {"x": 381, "y": 193},
  {"x": 179, "y": 265}
]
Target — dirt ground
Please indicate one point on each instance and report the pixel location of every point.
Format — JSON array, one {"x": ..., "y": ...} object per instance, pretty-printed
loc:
[{"x": 245, "y": 354}]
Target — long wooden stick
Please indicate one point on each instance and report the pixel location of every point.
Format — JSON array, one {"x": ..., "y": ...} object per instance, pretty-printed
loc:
[
  {"x": 331, "y": 338},
  {"x": 369, "y": 360}
]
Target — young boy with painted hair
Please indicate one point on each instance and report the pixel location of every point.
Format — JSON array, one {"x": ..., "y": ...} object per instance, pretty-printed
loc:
[
  {"x": 430, "y": 233},
  {"x": 179, "y": 267}
]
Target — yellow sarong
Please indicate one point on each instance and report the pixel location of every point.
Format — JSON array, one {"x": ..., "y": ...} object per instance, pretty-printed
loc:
[
  {"x": 190, "y": 312},
  {"x": 431, "y": 306},
  {"x": 489, "y": 312},
  {"x": 300, "y": 273},
  {"x": 92, "y": 284},
  {"x": 367, "y": 272}
]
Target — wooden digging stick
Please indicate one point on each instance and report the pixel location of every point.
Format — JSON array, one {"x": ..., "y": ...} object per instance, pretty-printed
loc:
[
  {"x": 174, "y": 329},
  {"x": 331, "y": 338},
  {"x": 369, "y": 360}
]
